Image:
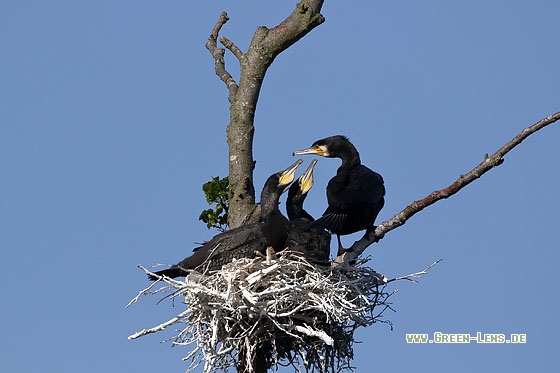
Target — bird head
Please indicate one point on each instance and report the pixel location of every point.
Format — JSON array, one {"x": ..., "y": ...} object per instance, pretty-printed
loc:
[
  {"x": 334, "y": 147},
  {"x": 329, "y": 147},
  {"x": 317, "y": 148}
]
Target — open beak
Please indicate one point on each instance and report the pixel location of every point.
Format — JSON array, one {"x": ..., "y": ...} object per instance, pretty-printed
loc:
[
  {"x": 288, "y": 175},
  {"x": 313, "y": 150},
  {"x": 306, "y": 180}
]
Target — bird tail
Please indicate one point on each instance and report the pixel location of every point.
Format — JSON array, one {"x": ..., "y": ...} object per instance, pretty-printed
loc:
[{"x": 172, "y": 272}]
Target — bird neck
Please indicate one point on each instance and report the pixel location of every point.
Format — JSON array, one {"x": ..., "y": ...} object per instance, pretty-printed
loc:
[
  {"x": 305, "y": 215},
  {"x": 350, "y": 157},
  {"x": 269, "y": 206},
  {"x": 294, "y": 202},
  {"x": 270, "y": 196},
  {"x": 294, "y": 210},
  {"x": 273, "y": 217}
]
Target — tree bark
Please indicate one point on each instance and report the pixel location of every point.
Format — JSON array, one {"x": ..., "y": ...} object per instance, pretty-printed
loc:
[{"x": 265, "y": 46}]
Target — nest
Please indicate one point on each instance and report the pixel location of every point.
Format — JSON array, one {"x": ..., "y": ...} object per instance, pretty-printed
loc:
[{"x": 273, "y": 310}]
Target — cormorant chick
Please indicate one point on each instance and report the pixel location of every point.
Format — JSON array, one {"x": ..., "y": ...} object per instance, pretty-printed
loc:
[
  {"x": 355, "y": 194},
  {"x": 243, "y": 241},
  {"x": 313, "y": 243}
]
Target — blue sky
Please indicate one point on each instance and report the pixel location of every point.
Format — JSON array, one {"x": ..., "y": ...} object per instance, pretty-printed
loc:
[{"x": 111, "y": 118}]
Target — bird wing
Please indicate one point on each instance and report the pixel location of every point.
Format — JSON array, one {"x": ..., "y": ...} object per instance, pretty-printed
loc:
[
  {"x": 331, "y": 221},
  {"x": 236, "y": 243},
  {"x": 355, "y": 185},
  {"x": 355, "y": 196},
  {"x": 241, "y": 243}
]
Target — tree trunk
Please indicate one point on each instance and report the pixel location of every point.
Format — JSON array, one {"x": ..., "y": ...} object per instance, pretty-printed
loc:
[{"x": 265, "y": 46}]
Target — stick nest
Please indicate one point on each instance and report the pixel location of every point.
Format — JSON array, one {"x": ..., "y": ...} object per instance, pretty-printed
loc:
[{"x": 279, "y": 308}]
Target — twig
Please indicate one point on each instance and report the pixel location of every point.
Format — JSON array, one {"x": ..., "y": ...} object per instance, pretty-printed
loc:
[
  {"x": 141, "y": 292},
  {"x": 160, "y": 327},
  {"x": 413, "y": 276},
  {"x": 307, "y": 330},
  {"x": 232, "y": 47}
]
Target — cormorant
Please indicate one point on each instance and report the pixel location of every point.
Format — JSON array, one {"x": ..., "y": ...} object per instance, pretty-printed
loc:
[
  {"x": 355, "y": 194},
  {"x": 243, "y": 241},
  {"x": 313, "y": 243}
]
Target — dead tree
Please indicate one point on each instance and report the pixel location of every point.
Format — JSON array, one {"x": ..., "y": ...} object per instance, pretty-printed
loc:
[{"x": 265, "y": 46}]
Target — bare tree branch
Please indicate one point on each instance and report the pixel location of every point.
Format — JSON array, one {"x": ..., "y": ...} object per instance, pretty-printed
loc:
[
  {"x": 486, "y": 165},
  {"x": 232, "y": 47},
  {"x": 218, "y": 54},
  {"x": 265, "y": 46}
]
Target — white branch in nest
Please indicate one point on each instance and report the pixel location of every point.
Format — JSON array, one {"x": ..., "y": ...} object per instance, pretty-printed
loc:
[
  {"x": 307, "y": 330},
  {"x": 413, "y": 276},
  {"x": 159, "y": 327}
]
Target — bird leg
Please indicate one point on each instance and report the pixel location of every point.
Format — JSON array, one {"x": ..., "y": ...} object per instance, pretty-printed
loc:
[
  {"x": 341, "y": 249},
  {"x": 370, "y": 233}
]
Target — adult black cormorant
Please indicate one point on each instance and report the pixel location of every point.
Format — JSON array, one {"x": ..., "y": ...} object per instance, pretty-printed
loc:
[
  {"x": 313, "y": 243},
  {"x": 355, "y": 195},
  {"x": 243, "y": 241}
]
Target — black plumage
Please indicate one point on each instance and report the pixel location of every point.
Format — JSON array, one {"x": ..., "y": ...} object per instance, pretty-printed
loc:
[
  {"x": 313, "y": 243},
  {"x": 355, "y": 194},
  {"x": 244, "y": 241}
]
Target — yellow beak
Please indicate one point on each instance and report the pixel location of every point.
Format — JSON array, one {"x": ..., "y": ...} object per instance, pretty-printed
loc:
[
  {"x": 288, "y": 175},
  {"x": 313, "y": 150},
  {"x": 306, "y": 180}
]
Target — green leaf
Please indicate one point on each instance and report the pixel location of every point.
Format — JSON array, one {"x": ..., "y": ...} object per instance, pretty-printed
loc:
[{"x": 216, "y": 192}]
